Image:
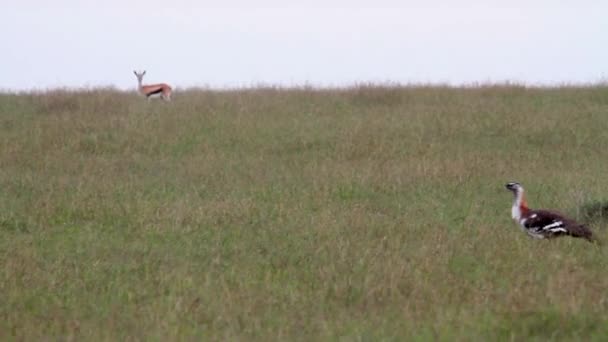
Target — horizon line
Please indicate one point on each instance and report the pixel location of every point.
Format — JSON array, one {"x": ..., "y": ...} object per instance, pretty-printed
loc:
[{"x": 603, "y": 82}]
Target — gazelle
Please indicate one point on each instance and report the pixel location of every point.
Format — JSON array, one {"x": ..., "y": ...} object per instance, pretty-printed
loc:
[{"x": 162, "y": 90}]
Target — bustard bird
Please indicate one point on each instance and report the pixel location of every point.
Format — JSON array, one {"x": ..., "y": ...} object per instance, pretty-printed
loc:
[{"x": 544, "y": 224}]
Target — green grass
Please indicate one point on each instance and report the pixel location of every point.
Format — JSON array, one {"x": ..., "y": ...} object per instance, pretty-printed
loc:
[{"x": 370, "y": 213}]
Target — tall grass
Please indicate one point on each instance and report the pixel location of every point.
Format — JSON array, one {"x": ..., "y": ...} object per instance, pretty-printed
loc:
[{"x": 367, "y": 213}]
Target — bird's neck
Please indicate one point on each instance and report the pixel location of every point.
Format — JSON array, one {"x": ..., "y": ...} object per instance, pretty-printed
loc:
[{"x": 520, "y": 206}]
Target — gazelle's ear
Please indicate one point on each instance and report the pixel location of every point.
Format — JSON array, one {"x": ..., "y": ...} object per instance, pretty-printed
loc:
[
  {"x": 143, "y": 73},
  {"x": 135, "y": 72}
]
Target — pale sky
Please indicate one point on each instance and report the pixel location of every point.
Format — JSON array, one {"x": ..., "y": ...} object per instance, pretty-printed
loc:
[{"x": 74, "y": 43}]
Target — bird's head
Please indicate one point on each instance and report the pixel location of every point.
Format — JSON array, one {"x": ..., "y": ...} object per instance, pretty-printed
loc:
[{"x": 514, "y": 187}]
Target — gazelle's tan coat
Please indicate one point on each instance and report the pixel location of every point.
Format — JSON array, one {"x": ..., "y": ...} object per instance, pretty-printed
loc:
[{"x": 150, "y": 90}]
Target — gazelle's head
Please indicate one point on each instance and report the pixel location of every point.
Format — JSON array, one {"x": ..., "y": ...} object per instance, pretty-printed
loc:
[
  {"x": 514, "y": 187},
  {"x": 139, "y": 75}
]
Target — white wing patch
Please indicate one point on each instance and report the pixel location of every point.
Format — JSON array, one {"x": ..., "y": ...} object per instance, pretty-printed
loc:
[{"x": 555, "y": 227}]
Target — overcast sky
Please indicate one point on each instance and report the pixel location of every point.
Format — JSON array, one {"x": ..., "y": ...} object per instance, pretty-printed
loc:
[{"x": 72, "y": 43}]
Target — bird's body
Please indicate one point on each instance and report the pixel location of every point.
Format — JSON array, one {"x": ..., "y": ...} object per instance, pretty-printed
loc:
[{"x": 544, "y": 224}]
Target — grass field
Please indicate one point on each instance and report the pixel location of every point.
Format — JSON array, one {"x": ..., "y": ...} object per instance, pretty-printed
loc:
[{"x": 369, "y": 213}]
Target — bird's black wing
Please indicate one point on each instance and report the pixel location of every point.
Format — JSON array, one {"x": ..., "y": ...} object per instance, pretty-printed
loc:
[{"x": 550, "y": 223}]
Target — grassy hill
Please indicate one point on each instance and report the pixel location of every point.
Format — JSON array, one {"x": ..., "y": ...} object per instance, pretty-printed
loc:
[{"x": 368, "y": 213}]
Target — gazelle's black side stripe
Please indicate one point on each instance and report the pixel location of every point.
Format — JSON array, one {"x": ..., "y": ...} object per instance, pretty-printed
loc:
[{"x": 157, "y": 91}]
